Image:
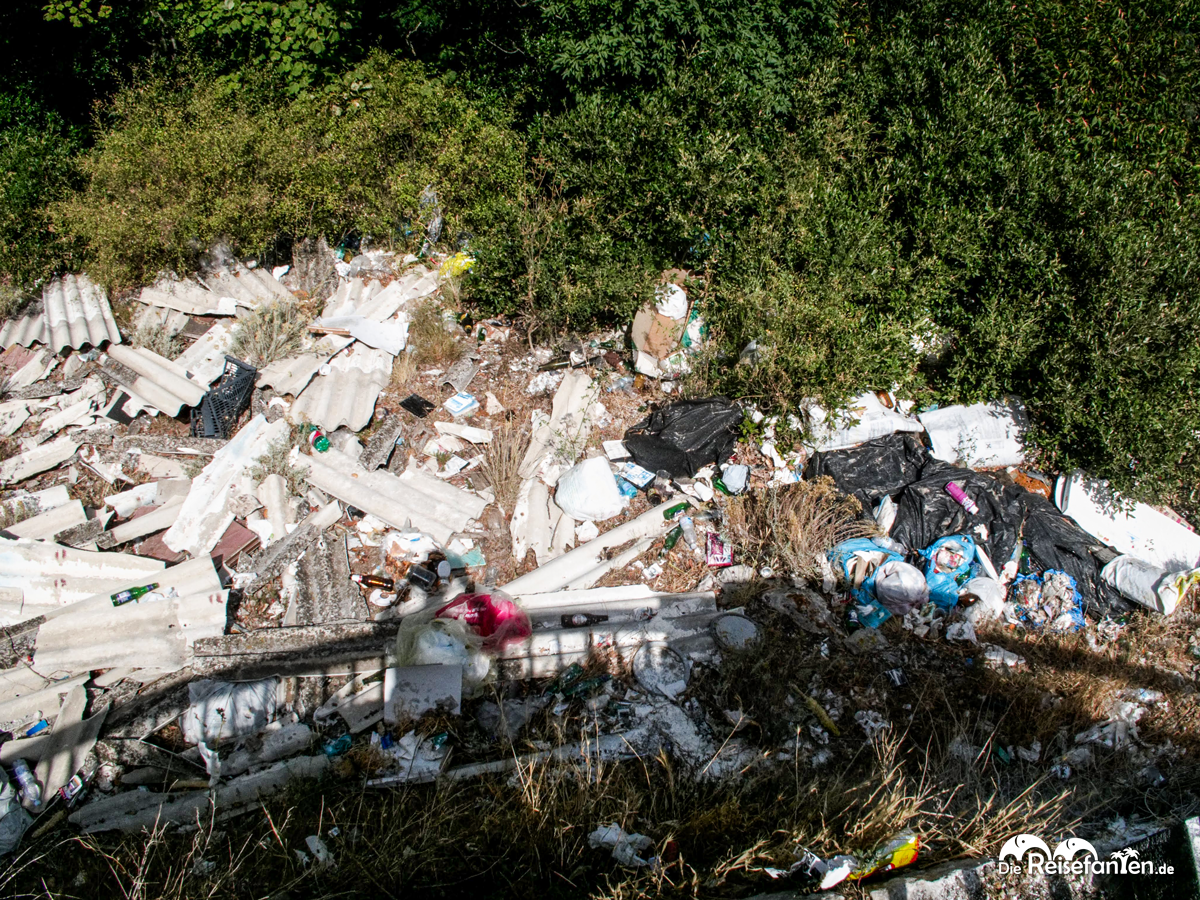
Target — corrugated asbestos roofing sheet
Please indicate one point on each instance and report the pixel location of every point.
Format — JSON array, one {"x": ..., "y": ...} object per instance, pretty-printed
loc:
[
  {"x": 249, "y": 287},
  {"x": 160, "y": 381},
  {"x": 73, "y": 312},
  {"x": 347, "y": 395},
  {"x": 289, "y": 376}
]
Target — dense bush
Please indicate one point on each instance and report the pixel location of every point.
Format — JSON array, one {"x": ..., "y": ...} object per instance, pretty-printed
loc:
[
  {"x": 184, "y": 164},
  {"x": 36, "y": 166}
]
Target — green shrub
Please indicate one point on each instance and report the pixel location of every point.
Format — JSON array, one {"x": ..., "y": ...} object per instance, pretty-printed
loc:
[
  {"x": 182, "y": 164},
  {"x": 37, "y": 164}
]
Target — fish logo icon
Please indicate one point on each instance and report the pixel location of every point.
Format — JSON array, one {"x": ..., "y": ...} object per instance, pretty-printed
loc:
[{"x": 1020, "y": 844}]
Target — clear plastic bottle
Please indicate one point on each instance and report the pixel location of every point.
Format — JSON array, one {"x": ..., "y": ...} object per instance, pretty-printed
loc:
[{"x": 31, "y": 791}]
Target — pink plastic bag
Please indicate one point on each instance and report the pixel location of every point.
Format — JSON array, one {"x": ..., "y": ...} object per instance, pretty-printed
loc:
[{"x": 494, "y": 617}]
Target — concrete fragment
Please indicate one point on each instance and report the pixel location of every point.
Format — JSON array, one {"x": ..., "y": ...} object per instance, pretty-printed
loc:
[
  {"x": 382, "y": 443},
  {"x": 327, "y": 595}
]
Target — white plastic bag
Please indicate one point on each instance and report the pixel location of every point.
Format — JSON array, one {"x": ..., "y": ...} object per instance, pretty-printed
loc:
[
  {"x": 900, "y": 587},
  {"x": 588, "y": 492},
  {"x": 986, "y": 597},
  {"x": 1147, "y": 584},
  {"x": 221, "y": 711}
]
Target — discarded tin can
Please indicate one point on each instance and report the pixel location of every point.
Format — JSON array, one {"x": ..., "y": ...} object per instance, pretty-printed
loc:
[
  {"x": 123, "y": 597},
  {"x": 960, "y": 497}
]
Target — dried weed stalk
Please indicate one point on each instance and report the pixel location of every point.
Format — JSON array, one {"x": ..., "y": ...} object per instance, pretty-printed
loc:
[
  {"x": 433, "y": 340},
  {"x": 502, "y": 463},
  {"x": 269, "y": 333},
  {"x": 789, "y": 527}
]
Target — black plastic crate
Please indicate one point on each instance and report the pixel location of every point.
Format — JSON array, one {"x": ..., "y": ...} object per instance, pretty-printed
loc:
[{"x": 219, "y": 410}]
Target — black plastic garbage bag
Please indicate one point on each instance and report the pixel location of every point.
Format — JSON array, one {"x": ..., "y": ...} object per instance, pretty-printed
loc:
[
  {"x": 1056, "y": 542},
  {"x": 871, "y": 470},
  {"x": 925, "y": 512},
  {"x": 684, "y": 437}
]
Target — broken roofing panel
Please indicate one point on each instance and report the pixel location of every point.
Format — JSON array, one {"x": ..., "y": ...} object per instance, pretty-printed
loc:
[
  {"x": 74, "y": 312},
  {"x": 187, "y": 297},
  {"x": 159, "y": 381},
  {"x": 39, "y": 459},
  {"x": 249, "y": 287},
  {"x": 347, "y": 395},
  {"x": 205, "y": 359},
  {"x": 44, "y": 577},
  {"x": 429, "y": 504},
  {"x": 206, "y": 512}
]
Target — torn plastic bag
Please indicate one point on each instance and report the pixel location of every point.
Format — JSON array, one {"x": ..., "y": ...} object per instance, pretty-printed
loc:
[
  {"x": 423, "y": 641},
  {"x": 495, "y": 617},
  {"x": 13, "y": 818},
  {"x": 1056, "y": 542},
  {"x": 1050, "y": 601},
  {"x": 872, "y": 470},
  {"x": 950, "y": 562},
  {"x": 221, "y": 711},
  {"x": 684, "y": 437},
  {"x": 588, "y": 492},
  {"x": 856, "y": 563}
]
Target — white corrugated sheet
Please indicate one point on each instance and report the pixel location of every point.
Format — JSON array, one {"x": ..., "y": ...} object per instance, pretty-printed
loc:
[
  {"x": 159, "y": 318},
  {"x": 347, "y": 395},
  {"x": 249, "y": 287},
  {"x": 205, "y": 513},
  {"x": 205, "y": 359},
  {"x": 74, "y": 312},
  {"x": 44, "y": 577},
  {"x": 290, "y": 376},
  {"x": 187, "y": 297},
  {"x": 146, "y": 635},
  {"x": 39, "y": 459},
  {"x": 46, "y": 525},
  {"x": 415, "y": 498},
  {"x": 159, "y": 381}
]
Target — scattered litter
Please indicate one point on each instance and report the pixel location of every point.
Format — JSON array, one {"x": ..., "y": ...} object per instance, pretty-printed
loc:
[
  {"x": 685, "y": 436},
  {"x": 625, "y": 847},
  {"x": 460, "y": 404}
]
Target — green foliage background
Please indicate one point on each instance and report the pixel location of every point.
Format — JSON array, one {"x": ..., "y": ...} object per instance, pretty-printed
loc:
[{"x": 856, "y": 183}]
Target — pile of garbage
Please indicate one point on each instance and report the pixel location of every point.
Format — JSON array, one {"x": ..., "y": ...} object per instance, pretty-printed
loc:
[{"x": 203, "y": 631}]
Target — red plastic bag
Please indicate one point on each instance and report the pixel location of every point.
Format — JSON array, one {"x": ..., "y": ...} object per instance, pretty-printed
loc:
[{"x": 494, "y": 617}]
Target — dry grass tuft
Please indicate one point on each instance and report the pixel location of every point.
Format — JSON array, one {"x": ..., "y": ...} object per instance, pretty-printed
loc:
[
  {"x": 156, "y": 340},
  {"x": 502, "y": 463},
  {"x": 276, "y": 461},
  {"x": 269, "y": 333},
  {"x": 789, "y": 527},
  {"x": 432, "y": 339},
  {"x": 404, "y": 372}
]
